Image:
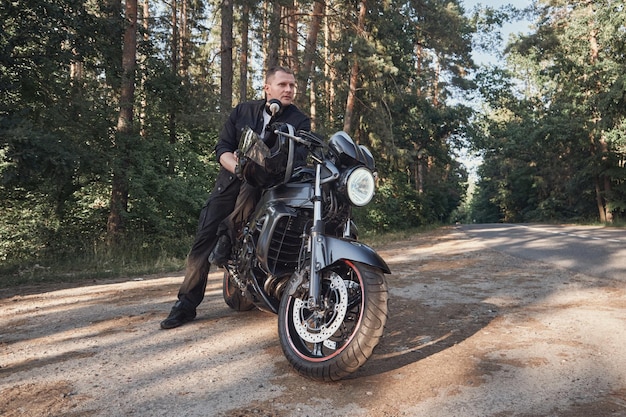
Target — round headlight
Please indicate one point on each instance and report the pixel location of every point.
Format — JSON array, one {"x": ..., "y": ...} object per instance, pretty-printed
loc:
[{"x": 360, "y": 186}]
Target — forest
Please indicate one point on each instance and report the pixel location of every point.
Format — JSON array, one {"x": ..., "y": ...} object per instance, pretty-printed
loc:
[{"x": 110, "y": 110}]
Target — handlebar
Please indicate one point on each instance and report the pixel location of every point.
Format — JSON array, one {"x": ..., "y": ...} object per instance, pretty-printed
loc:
[{"x": 307, "y": 139}]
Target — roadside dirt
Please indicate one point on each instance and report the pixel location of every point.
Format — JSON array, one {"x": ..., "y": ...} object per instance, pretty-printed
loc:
[{"x": 471, "y": 332}]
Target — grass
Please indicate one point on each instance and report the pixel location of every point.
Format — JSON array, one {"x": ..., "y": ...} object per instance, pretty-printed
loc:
[
  {"x": 131, "y": 260},
  {"x": 380, "y": 239},
  {"x": 41, "y": 273}
]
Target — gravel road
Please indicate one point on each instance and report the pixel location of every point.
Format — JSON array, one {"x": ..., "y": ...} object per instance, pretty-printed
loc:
[{"x": 471, "y": 332}]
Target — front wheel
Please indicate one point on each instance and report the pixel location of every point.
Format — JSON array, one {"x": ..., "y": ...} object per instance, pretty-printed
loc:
[{"x": 333, "y": 341}]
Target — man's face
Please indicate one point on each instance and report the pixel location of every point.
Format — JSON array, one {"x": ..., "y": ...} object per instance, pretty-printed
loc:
[{"x": 281, "y": 86}]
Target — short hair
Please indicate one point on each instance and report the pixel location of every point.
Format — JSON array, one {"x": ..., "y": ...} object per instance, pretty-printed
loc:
[{"x": 273, "y": 70}]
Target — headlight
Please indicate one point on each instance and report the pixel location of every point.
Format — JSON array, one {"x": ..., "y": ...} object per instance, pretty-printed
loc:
[{"x": 360, "y": 186}]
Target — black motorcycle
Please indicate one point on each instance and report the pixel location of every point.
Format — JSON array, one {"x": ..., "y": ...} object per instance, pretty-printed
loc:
[{"x": 298, "y": 256}]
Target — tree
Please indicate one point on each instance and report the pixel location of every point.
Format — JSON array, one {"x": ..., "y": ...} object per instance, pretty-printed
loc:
[
  {"x": 245, "y": 50},
  {"x": 273, "y": 37},
  {"x": 76, "y": 163},
  {"x": 119, "y": 185},
  {"x": 310, "y": 46},
  {"x": 354, "y": 71},
  {"x": 562, "y": 133},
  {"x": 226, "y": 58}
]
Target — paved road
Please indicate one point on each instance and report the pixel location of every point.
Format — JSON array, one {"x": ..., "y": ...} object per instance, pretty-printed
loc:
[{"x": 593, "y": 250}]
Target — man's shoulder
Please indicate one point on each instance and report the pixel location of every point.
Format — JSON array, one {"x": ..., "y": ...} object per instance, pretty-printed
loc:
[{"x": 247, "y": 110}]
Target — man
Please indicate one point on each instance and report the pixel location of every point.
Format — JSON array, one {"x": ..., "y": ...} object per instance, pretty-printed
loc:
[{"x": 280, "y": 84}]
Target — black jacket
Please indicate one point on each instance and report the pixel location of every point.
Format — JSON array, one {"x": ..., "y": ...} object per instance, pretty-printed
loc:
[{"x": 250, "y": 114}]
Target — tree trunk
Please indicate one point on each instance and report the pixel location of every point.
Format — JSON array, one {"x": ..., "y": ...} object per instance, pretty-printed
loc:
[
  {"x": 243, "y": 59},
  {"x": 146, "y": 37},
  {"x": 329, "y": 73},
  {"x": 599, "y": 199},
  {"x": 292, "y": 38},
  {"x": 607, "y": 190},
  {"x": 354, "y": 73},
  {"x": 119, "y": 189},
  {"x": 112, "y": 53},
  {"x": 418, "y": 67},
  {"x": 602, "y": 181},
  {"x": 77, "y": 69},
  {"x": 183, "y": 41},
  {"x": 274, "y": 36},
  {"x": 420, "y": 168},
  {"x": 171, "y": 122},
  {"x": 436, "y": 83},
  {"x": 310, "y": 45},
  {"x": 226, "y": 70},
  {"x": 313, "y": 106}
]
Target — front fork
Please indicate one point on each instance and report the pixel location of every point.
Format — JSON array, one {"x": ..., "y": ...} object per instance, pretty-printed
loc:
[{"x": 317, "y": 244}]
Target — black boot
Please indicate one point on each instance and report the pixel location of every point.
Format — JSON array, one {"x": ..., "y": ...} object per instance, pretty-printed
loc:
[
  {"x": 178, "y": 316},
  {"x": 221, "y": 253}
]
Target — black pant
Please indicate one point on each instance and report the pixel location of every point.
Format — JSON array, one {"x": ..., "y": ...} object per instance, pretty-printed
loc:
[
  {"x": 244, "y": 206},
  {"x": 228, "y": 206}
]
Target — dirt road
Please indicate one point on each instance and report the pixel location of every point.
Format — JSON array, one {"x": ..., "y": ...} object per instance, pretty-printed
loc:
[{"x": 471, "y": 332}]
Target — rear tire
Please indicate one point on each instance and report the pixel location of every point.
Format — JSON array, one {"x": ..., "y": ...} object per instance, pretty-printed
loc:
[
  {"x": 329, "y": 344},
  {"x": 233, "y": 295}
]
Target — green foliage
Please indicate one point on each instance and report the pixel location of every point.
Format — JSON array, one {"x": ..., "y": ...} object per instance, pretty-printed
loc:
[
  {"x": 57, "y": 142},
  {"x": 396, "y": 206},
  {"x": 552, "y": 137},
  {"x": 60, "y": 72}
]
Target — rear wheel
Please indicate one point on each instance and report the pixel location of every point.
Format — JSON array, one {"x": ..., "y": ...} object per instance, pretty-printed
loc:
[
  {"x": 233, "y": 295},
  {"x": 333, "y": 341}
]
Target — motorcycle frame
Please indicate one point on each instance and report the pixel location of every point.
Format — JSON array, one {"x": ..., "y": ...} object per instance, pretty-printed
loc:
[{"x": 324, "y": 251}]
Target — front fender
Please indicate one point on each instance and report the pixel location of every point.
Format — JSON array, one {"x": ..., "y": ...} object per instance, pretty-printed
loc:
[{"x": 336, "y": 249}]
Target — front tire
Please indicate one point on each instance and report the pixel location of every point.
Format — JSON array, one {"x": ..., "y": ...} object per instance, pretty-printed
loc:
[{"x": 331, "y": 343}]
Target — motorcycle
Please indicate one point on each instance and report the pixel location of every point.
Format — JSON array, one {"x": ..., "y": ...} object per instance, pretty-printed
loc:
[{"x": 299, "y": 255}]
